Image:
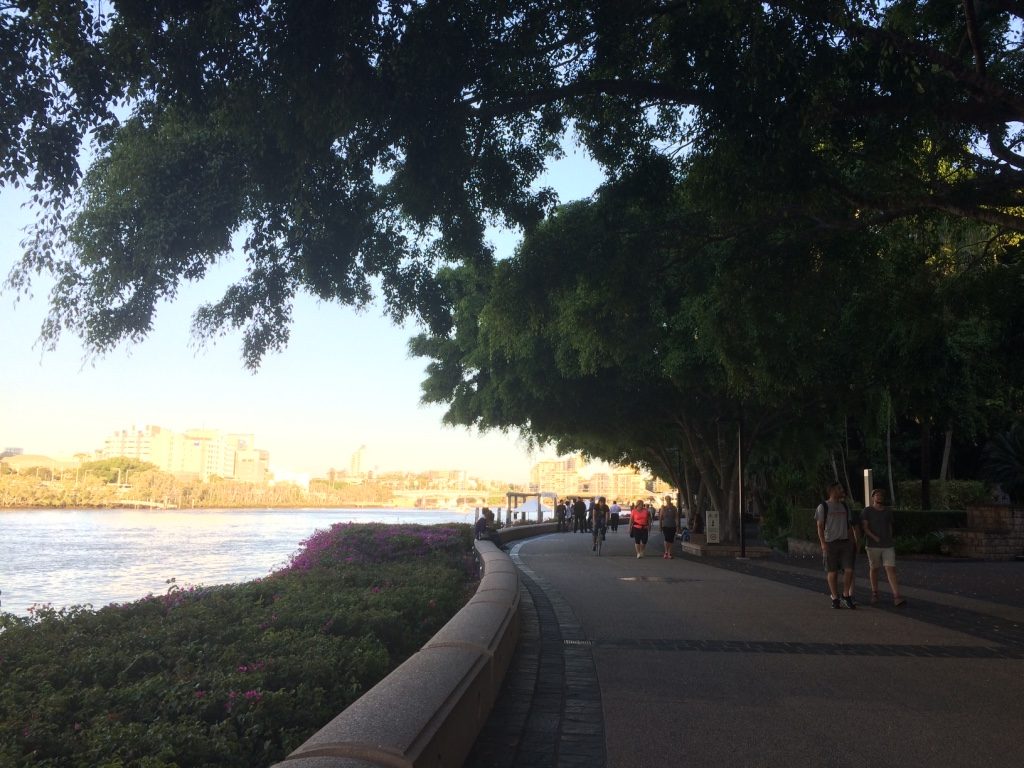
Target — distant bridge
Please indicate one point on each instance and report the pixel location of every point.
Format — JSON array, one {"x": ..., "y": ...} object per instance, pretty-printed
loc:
[{"x": 139, "y": 504}]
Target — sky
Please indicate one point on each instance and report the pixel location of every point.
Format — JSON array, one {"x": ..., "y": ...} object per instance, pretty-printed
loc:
[{"x": 345, "y": 380}]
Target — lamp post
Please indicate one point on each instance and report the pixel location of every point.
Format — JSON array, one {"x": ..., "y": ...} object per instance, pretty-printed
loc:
[{"x": 739, "y": 482}]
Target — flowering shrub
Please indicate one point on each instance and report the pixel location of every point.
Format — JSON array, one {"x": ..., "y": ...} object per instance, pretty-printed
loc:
[
  {"x": 235, "y": 675},
  {"x": 377, "y": 543}
]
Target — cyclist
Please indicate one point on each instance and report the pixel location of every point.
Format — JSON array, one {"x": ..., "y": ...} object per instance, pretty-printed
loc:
[{"x": 601, "y": 514}]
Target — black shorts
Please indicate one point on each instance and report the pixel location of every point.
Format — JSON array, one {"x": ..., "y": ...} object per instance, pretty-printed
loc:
[
  {"x": 839, "y": 555},
  {"x": 670, "y": 534},
  {"x": 639, "y": 535}
]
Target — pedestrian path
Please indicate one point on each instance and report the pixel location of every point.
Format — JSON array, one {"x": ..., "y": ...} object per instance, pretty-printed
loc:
[
  {"x": 719, "y": 661},
  {"x": 549, "y": 713}
]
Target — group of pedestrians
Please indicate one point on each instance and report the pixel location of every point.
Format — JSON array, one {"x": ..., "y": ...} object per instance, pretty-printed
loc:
[
  {"x": 597, "y": 517},
  {"x": 670, "y": 522},
  {"x": 840, "y": 532}
]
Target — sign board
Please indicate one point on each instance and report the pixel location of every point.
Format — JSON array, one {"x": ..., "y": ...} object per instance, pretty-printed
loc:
[{"x": 711, "y": 527}]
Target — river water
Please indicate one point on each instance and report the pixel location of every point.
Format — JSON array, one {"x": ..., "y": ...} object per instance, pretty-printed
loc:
[{"x": 100, "y": 556}]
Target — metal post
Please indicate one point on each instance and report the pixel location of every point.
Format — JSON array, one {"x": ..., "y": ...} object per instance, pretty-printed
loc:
[
  {"x": 739, "y": 462},
  {"x": 868, "y": 482}
]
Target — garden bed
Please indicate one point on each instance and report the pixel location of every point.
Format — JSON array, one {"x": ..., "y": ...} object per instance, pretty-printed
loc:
[{"x": 236, "y": 675}]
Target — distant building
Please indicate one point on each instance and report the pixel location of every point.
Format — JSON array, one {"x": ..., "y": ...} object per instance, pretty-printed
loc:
[
  {"x": 355, "y": 465},
  {"x": 252, "y": 466},
  {"x": 601, "y": 485},
  {"x": 628, "y": 484},
  {"x": 561, "y": 476},
  {"x": 8, "y": 452},
  {"x": 198, "y": 453}
]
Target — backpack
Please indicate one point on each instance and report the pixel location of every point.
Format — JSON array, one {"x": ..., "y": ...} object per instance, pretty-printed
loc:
[{"x": 824, "y": 504}]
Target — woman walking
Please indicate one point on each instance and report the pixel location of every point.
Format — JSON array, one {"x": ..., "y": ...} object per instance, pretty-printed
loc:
[
  {"x": 668, "y": 522},
  {"x": 640, "y": 527}
]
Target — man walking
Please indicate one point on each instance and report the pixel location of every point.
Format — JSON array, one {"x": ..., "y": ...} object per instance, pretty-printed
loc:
[
  {"x": 838, "y": 540},
  {"x": 877, "y": 523},
  {"x": 579, "y": 515},
  {"x": 560, "y": 512}
]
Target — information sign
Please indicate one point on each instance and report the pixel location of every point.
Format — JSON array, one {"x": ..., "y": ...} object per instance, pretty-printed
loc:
[{"x": 713, "y": 536}]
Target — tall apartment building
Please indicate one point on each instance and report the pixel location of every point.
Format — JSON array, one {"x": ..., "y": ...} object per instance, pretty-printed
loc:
[
  {"x": 628, "y": 484},
  {"x": 559, "y": 476},
  {"x": 199, "y": 453},
  {"x": 355, "y": 464},
  {"x": 601, "y": 485}
]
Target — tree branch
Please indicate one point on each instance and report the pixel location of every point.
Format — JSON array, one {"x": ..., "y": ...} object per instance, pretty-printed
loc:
[
  {"x": 637, "y": 89},
  {"x": 982, "y": 85},
  {"x": 972, "y": 35}
]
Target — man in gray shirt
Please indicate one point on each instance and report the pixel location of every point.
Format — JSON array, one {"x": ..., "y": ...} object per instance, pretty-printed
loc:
[
  {"x": 877, "y": 523},
  {"x": 838, "y": 540}
]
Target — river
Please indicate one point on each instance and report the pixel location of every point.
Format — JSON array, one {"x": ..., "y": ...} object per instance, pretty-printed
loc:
[{"x": 100, "y": 556}]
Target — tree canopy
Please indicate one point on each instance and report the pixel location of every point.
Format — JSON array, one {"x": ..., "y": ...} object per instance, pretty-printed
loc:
[
  {"x": 813, "y": 207},
  {"x": 349, "y": 144}
]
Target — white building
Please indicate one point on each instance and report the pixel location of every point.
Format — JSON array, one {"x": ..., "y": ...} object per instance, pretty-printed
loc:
[{"x": 199, "y": 453}]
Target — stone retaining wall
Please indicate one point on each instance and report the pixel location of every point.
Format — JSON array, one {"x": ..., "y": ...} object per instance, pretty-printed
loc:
[
  {"x": 994, "y": 532},
  {"x": 429, "y": 711},
  {"x": 803, "y": 547}
]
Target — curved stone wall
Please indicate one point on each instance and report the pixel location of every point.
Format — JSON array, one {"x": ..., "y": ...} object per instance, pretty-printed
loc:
[{"x": 429, "y": 711}]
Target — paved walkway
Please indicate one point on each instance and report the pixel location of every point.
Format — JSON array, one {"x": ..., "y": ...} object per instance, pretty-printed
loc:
[{"x": 720, "y": 662}]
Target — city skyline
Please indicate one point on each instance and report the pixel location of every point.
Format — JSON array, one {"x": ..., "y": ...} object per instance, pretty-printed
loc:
[
  {"x": 344, "y": 379},
  {"x": 167, "y": 449}
]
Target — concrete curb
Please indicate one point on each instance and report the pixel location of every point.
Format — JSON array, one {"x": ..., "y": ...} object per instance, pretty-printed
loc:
[{"x": 429, "y": 711}]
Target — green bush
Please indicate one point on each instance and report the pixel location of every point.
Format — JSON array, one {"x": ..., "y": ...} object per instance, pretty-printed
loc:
[
  {"x": 916, "y": 532},
  {"x": 236, "y": 675},
  {"x": 952, "y": 494}
]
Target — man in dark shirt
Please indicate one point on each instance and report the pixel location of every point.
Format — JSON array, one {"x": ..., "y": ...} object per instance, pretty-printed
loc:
[
  {"x": 877, "y": 523},
  {"x": 579, "y": 515}
]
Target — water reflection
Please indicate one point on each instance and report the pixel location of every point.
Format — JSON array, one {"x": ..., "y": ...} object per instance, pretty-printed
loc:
[{"x": 74, "y": 557}]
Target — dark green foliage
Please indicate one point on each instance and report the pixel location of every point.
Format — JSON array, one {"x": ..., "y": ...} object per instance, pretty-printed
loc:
[
  {"x": 1004, "y": 461},
  {"x": 911, "y": 527},
  {"x": 360, "y": 142},
  {"x": 235, "y": 675},
  {"x": 951, "y": 495},
  {"x": 811, "y": 219}
]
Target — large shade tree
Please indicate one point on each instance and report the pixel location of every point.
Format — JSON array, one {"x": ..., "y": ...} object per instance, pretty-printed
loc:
[
  {"x": 624, "y": 329},
  {"x": 343, "y": 144}
]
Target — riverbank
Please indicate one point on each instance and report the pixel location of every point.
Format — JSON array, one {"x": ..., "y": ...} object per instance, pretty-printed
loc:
[
  {"x": 232, "y": 675},
  {"x": 99, "y": 556}
]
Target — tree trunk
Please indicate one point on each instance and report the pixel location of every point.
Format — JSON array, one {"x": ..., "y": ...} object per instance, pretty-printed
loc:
[
  {"x": 944, "y": 472},
  {"x": 888, "y": 455},
  {"x": 926, "y": 491},
  {"x": 846, "y": 457},
  {"x": 702, "y": 497},
  {"x": 689, "y": 491}
]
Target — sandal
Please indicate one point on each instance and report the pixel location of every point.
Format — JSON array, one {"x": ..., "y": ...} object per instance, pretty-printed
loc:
[
  {"x": 899, "y": 602},
  {"x": 874, "y": 598}
]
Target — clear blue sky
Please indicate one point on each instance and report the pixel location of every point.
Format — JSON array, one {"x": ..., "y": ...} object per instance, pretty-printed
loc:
[{"x": 345, "y": 379}]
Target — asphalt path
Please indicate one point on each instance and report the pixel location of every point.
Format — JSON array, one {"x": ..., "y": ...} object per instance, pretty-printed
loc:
[{"x": 628, "y": 663}]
